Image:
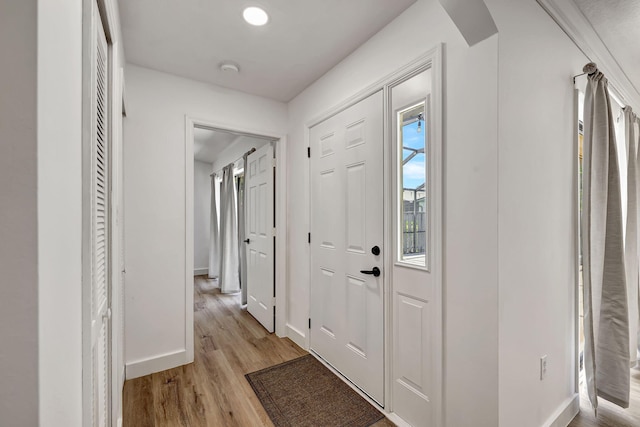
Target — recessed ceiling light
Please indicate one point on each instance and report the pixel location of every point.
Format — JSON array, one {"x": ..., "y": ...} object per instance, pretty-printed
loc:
[{"x": 255, "y": 16}]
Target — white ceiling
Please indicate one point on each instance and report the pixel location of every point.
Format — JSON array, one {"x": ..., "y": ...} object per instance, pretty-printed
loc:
[
  {"x": 617, "y": 23},
  {"x": 302, "y": 41},
  {"x": 209, "y": 143}
]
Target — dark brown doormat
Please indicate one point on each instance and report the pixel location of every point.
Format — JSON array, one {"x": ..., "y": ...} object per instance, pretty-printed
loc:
[{"x": 303, "y": 392}]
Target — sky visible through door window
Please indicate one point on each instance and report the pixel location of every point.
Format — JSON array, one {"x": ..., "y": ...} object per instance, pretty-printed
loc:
[{"x": 413, "y": 173}]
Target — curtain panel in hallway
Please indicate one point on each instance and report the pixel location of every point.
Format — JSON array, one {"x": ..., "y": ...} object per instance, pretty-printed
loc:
[
  {"x": 229, "y": 278},
  {"x": 632, "y": 241},
  {"x": 606, "y": 317},
  {"x": 214, "y": 234}
]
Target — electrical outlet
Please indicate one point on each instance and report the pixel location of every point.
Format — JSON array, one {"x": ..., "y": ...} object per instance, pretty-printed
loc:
[{"x": 543, "y": 367}]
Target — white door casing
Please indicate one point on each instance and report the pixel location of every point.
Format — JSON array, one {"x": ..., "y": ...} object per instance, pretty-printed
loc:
[
  {"x": 100, "y": 194},
  {"x": 117, "y": 244},
  {"x": 347, "y": 306},
  {"x": 280, "y": 149},
  {"x": 259, "y": 225}
]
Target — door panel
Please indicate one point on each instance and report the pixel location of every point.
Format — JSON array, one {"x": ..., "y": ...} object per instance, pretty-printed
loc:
[
  {"x": 413, "y": 344},
  {"x": 100, "y": 230},
  {"x": 414, "y": 274},
  {"x": 413, "y": 339},
  {"x": 347, "y": 327},
  {"x": 260, "y": 248},
  {"x": 356, "y": 208},
  {"x": 101, "y": 381},
  {"x": 356, "y": 312}
]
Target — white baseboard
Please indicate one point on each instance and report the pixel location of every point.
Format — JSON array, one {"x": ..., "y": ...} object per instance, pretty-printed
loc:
[
  {"x": 144, "y": 367},
  {"x": 565, "y": 413},
  {"x": 296, "y": 336},
  {"x": 119, "y": 422},
  {"x": 200, "y": 271}
]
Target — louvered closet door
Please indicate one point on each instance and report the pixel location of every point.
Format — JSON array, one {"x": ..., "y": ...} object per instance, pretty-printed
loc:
[{"x": 100, "y": 181}]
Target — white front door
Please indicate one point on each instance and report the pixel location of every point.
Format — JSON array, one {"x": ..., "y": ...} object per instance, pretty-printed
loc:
[
  {"x": 347, "y": 318},
  {"x": 260, "y": 240}
]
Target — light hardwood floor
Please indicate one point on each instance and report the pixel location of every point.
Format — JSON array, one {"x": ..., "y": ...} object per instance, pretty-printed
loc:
[
  {"x": 212, "y": 391},
  {"x": 610, "y": 415}
]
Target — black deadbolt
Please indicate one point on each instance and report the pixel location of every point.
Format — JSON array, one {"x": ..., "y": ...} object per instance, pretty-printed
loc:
[{"x": 375, "y": 250}]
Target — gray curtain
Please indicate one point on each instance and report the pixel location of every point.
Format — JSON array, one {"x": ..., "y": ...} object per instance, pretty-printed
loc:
[
  {"x": 631, "y": 248},
  {"x": 242, "y": 233},
  {"x": 214, "y": 236},
  {"x": 606, "y": 317},
  {"x": 229, "y": 279}
]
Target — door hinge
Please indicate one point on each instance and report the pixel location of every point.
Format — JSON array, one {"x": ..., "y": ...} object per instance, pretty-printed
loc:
[
  {"x": 309, "y": 323},
  {"x": 273, "y": 162},
  {"x": 273, "y": 232},
  {"x": 309, "y": 237},
  {"x": 273, "y": 302},
  {"x": 309, "y": 152}
]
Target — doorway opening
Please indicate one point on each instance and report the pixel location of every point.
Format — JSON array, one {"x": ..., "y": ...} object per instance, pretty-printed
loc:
[
  {"x": 229, "y": 217},
  {"x": 625, "y": 142},
  {"x": 277, "y": 164}
]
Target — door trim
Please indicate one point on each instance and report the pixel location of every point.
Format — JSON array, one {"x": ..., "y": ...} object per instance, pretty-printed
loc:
[
  {"x": 429, "y": 59},
  {"x": 280, "y": 150},
  {"x": 87, "y": 61}
]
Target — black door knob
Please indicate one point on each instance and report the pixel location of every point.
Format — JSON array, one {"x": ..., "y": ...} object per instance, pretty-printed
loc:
[
  {"x": 375, "y": 271},
  {"x": 375, "y": 250},
  {"x": 247, "y": 240}
]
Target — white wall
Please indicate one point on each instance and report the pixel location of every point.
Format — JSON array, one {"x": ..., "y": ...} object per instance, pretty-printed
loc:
[
  {"x": 201, "y": 215},
  {"x": 470, "y": 128},
  {"x": 60, "y": 211},
  {"x": 18, "y": 222},
  {"x": 155, "y": 199},
  {"x": 536, "y": 195}
]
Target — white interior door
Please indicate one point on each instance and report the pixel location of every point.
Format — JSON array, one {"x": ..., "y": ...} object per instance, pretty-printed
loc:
[
  {"x": 347, "y": 318},
  {"x": 259, "y": 193},
  {"x": 100, "y": 236}
]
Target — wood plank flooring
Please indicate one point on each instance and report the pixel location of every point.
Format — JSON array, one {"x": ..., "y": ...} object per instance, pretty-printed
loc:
[
  {"x": 610, "y": 415},
  {"x": 212, "y": 391}
]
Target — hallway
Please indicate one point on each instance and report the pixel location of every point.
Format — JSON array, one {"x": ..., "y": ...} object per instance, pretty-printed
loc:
[{"x": 212, "y": 391}]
